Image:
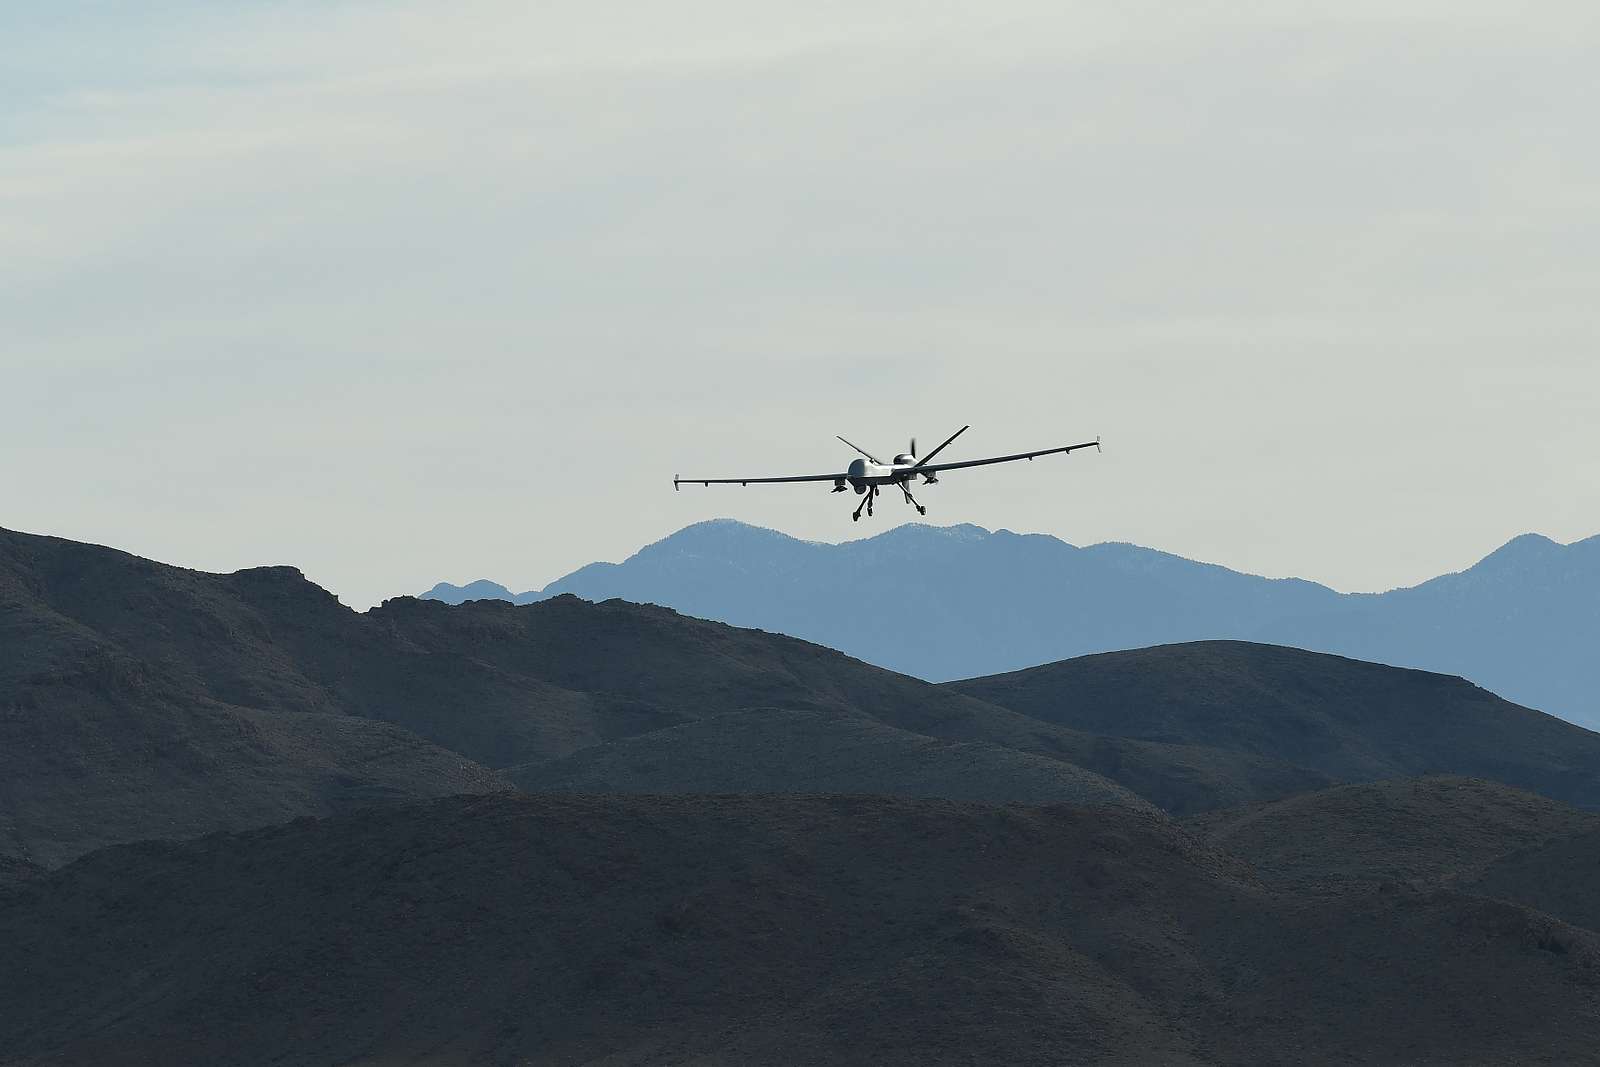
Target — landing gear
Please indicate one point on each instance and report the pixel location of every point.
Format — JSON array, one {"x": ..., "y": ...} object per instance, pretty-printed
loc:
[
  {"x": 912, "y": 500},
  {"x": 866, "y": 502}
]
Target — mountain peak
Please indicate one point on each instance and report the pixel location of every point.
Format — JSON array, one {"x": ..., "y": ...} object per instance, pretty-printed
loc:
[
  {"x": 1525, "y": 543},
  {"x": 961, "y": 531},
  {"x": 718, "y": 531},
  {"x": 1521, "y": 553}
]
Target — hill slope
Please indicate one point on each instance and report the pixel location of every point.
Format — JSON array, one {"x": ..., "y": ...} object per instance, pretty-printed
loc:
[
  {"x": 766, "y": 751},
  {"x": 1351, "y": 720},
  {"x": 761, "y": 930},
  {"x": 953, "y": 602},
  {"x": 1466, "y": 834},
  {"x": 108, "y": 734},
  {"x": 15, "y": 871},
  {"x": 1441, "y": 829},
  {"x": 1560, "y": 877},
  {"x": 141, "y": 700}
]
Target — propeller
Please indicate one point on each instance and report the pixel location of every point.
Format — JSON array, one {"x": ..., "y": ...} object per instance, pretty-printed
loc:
[{"x": 913, "y": 448}]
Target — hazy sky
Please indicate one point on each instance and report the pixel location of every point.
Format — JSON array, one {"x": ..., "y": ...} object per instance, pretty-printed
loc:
[{"x": 408, "y": 292}]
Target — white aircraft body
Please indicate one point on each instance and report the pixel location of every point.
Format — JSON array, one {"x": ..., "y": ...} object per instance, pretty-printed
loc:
[{"x": 867, "y": 476}]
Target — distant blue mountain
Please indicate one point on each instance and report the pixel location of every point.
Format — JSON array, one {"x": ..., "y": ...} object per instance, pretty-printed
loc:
[
  {"x": 1524, "y": 622},
  {"x": 482, "y": 589},
  {"x": 954, "y": 602}
]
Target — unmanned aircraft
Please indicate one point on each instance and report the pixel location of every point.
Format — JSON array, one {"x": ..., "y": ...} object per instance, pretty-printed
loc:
[{"x": 867, "y": 476}]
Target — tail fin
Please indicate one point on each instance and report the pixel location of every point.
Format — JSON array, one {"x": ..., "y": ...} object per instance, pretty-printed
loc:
[{"x": 924, "y": 460}]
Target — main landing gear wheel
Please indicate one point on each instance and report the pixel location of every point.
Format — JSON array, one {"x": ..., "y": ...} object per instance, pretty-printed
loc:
[
  {"x": 866, "y": 502},
  {"x": 906, "y": 489}
]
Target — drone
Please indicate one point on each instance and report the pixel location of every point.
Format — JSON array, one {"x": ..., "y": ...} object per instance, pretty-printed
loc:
[{"x": 867, "y": 476}]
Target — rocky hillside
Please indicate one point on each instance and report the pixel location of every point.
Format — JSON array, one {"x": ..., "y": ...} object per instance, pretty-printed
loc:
[{"x": 737, "y": 930}]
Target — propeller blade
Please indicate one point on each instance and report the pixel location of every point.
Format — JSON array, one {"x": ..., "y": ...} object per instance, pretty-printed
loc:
[
  {"x": 924, "y": 460},
  {"x": 913, "y": 448},
  {"x": 863, "y": 451}
]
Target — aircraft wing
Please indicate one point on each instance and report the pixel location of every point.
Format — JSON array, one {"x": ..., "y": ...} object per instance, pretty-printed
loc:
[
  {"x": 932, "y": 468},
  {"x": 676, "y": 481}
]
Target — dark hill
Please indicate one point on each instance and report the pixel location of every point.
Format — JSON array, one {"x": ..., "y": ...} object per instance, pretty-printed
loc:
[
  {"x": 501, "y": 685},
  {"x": 142, "y": 700},
  {"x": 766, "y": 751},
  {"x": 630, "y": 669},
  {"x": 1462, "y": 833},
  {"x": 15, "y": 871},
  {"x": 1560, "y": 877},
  {"x": 138, "y": 700},
  {"x": 761, "y": 930},
  {"x": 1434, "y": 829},
  {"x": 1348, "y": 719},
  {"x": 247, "y": 659}
]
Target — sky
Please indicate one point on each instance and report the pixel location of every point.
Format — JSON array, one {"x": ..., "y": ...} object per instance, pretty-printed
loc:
[{"x": 403, "y": 292}]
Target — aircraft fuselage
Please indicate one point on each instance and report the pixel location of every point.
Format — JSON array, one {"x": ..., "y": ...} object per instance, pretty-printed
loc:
[{"x": 863, "y": 474}]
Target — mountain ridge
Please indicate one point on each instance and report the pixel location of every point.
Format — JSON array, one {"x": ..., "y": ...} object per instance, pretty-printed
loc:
[
  {"x": 111, "y": 731},
  {"x": 139, "y": 700},
  {"x": 1351, "y": 719},
  {"x": 961, "y": 601}
]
